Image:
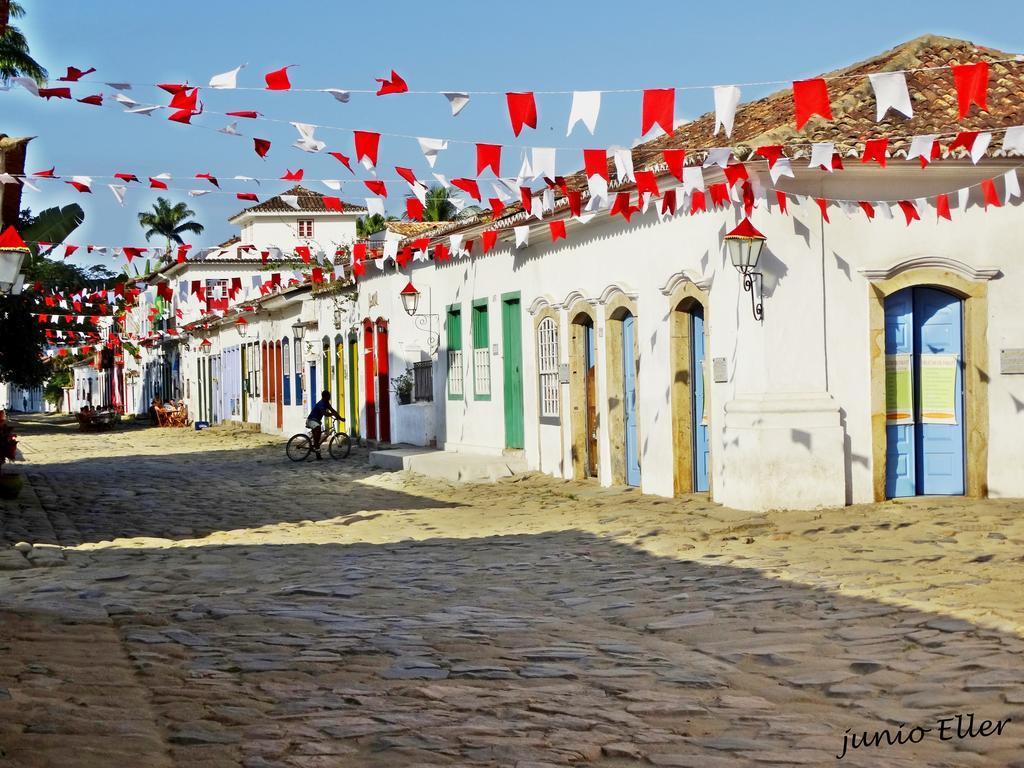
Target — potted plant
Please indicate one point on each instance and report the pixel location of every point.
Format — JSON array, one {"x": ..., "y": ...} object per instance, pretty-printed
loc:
[
  {"x": 403, "y": 387},
  {"x": 10, "y": 485}
]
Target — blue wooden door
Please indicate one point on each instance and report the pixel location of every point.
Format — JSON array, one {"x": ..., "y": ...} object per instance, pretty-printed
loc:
[
  {"x": 700, "y": 427},
  {"x": 940, "y": 447},
  {"x": 925, "y": 459},
  {"x": 629, "y": 400}
]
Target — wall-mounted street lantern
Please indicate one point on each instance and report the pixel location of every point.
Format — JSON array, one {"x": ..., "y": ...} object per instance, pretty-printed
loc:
[
  {"x": 745, "y": 244},
  {"x": 242, "y": 325},
  {"x": 339, "y": 317},
  {"x": 410, "y": 303},
  {"x": 299, "y": 330},
  {"x": 13, "y": 251},
  {"x": 206, "y": 346}
]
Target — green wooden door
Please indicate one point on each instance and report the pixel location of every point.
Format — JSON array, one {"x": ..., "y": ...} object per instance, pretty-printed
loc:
[{"x": 512, "y": 340}]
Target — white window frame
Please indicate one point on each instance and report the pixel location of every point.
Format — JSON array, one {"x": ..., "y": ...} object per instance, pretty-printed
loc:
[{"x": 547, "y": 368}]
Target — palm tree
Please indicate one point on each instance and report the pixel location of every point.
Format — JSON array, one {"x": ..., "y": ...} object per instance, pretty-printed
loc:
[
  {"x": 369, "y": 225},
  {"x": 15, "y": 60},
  {"x": 439, "y": 206},
  {"x": 169, "y": 221}
]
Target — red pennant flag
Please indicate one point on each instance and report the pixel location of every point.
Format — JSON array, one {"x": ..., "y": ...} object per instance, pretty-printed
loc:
[
  {"x": 823, "y": 205},
  {"x": 209, "y": 178},
  {"x": 658, "y": 109},
  {"x": 318, "y": 275},
  {"x": 414, "y": 209},
  {"x": 69, "y": 249},
  {"x": 54, "y": 93},
  {"x": 621, "y": 206},
  {"x": 868, "y": 208},
  {"x": 182, "y": 116},
  {"x": 182, "y": 252},
  {"x": 408, "y": 175},
  {"x": 468, "y": 247},
  {"x": 874, "y": 149},
  {"x": 526, "y": 199},
  {"x": 249, "y": 114},
  {"x": 261, "y": 146},
  {"x": 497, "y": 207},
  {"x": 46, "y": 174},
  {"x": 735, "y": 173},
  {"x": 698, "y": 202},
  {"x": 126, "y": 177},
  {"x": 488, "y": 156},
  {"x": 293, "y": 175},
  {"x": 646, "y": 182},
  {"x": 490, "y": 237},
  {"x": 359, "y": 252},
  {"x": 95, "y": 100},
  {"x": 837, "y": 162},
  {"x": 341, "y": 159},
  {"x": 367, "y": 144},
  {"x": 575, "y": 199},
  {"x": 964, "y": 139},
  {"x": 173, "y": 88},
  {"x": 675, "y": 159},
  {"x": 441, "y": 252},
  {"x": 942, "y": 207},
  {"x": 668, "y": 202},
  {"x": 377, "y": 187},
  {"x": 988, "y": 188},
  {"x": 358, "y": 269},
  {"x": 333, "y": 204},
  {"x": 75, "y": 74},
  {"x": 278, "y": 79},
  {"x": 79, "y": 186},
  {"x": 420, "y": 244},
  {"x": 469, "y": 186},
  {"x": 781, "y": 197},
  {"x": 247, "y": 196},
  {"x": 770, "y": 152},
  {"x": 395, "y": 85},
  {"x": 719, "y": 195},
  {"x": 557, "y": 230},
  {"x": 595, "y": 161},
  {"x": 185, "y": 100},
  {"x": 810, "y": 97},
  {"x": 131, "y": 253},
  {"x": 522, "y": 110},
  {"x": 748, "y": 198},
  {"x": 971, "y": 81},
  {"x": 304, "y": 254},
  {"x": 909, "y": 211}
]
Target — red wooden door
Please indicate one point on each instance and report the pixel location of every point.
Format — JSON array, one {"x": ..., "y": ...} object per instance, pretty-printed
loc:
[
  {"x": 369, "y": 370},
  {"x": 278, "y": 386},
  {"x": 383, "y": 382}
]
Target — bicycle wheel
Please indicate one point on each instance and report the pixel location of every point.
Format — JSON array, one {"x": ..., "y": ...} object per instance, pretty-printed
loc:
[
  {"x": 339, "y": 446},
  {"x": 299, "y": 447}
]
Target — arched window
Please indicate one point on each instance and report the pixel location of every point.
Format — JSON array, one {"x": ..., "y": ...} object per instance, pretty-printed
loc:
[
  {"x": 263, "y": 359},
  {"x": 286, "y": 369},
  {"x": 547, "y": 367},
  {"x": 298, "y": 373}
]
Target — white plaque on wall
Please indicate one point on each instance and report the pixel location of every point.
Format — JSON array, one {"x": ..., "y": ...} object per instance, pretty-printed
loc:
[
  {"x": 718, "y": 370},
  {"x": 1011, "y": 361}
]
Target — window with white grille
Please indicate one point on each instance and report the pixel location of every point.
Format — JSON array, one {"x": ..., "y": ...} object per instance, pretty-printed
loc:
[
  {"x": 547, "y": 366},
  {"x": 482, "y": 371},
  {"x": 455, "y": 370},
  {"x": 481, "y": 353},
  {"x": 455, "y": 373}
]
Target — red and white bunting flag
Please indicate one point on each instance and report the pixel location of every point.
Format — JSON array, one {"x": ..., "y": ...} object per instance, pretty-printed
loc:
[
  {"x": 810, "y": 97},
  {"x": 366, "y": 143},
  {"x": 488, "y": 156},
  {"x": 586, "y": 105},
  {"x": 891, "y": 93},
  {"x": 278, "y": 79},
  {"x": 658, "y": 108},
  {"x": 971, "y": 81},
  {"x": 522, "y": 110}
]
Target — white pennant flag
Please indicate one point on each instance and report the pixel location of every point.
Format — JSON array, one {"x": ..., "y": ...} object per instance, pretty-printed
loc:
[
  {"x": 623, "y": 164},
  {"x": 693, "y": 178},
  {"x": 1013, "y": 140},
  {"x": 547, "y": 201},
  {"x": 374, "y": 205},
  {"x": 884, "y": 210},
  {"x": 501, "y": 192},
  {"x": 980, "y": 146},
  {"x": 522, "y": 236},
  {"x": 124, "y": 101},
  {"x": 120, "y": 86},
  {"x": 307, "y": 141},
  {"x": 921, "y": 146},
  {"x": 891, "y": 93},
  {"x": 441, "y": 179},
  {"x": 525, "y": 172},
  {"x": 6, "y": 178},
  {"x": 718, "y": 156},
  {"x": 457, "y": 100},
  {"x": 119, "y": 191},
  {"x": 147, "y": 111},
  {"x": 821, "y": 155},
  {"x": 420, "y": 190},
  {"x": 28, "y": 183},
  {"x": 332, "y": 184},
  {"x": 727, "y": 98},
  {"x": 290, "y": 200},
  {"x": 586, "y": 105},
  {"x": 28, "y": 84},
  {"x": 783, "y": 167},
  {"x": 598, "y": 188},
  {"x": 963, "y": 196},
  {"x": 201, "y": 192},
  {"x": 542, "y": 160},
  {"x": 1012, "y": 184},
  {"x": 338, "y": 94},
  {"x": 247, "y": 178},
  {"x": 227, "y": 79},
  {"x": 430, "y": 148},
  {"x": 455, "y": 244},
  {"x": 231, "y": 129}
]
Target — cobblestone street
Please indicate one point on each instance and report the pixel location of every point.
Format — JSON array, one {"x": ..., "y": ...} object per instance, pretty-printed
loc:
[{"x": 196, "y": 599}]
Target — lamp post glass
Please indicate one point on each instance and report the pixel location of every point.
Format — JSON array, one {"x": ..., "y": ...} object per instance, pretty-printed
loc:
[
  {"x": 243, "y": 327},
  {"x": 10, "y": 266},
  {"x": 337, "y": 319},
  {"x": 744, "y": 252},
  {"x": 298, "y": 331},
  {"x": 410, "y": 299}
]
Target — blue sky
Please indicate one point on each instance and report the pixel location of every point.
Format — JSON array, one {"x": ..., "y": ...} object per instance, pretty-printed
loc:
[{"x": 525, "y": 45}]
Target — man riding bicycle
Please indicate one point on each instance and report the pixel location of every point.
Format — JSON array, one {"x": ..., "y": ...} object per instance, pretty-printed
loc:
[{"x": 316, "y": 416}]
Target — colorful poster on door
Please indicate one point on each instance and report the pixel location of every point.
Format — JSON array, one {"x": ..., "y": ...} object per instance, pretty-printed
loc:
[
  {"x": 938, "y": 388},
  {"x": 899, "y": 389}
]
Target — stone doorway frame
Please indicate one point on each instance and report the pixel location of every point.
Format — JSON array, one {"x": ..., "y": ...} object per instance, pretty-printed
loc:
[
  {"x": 970, "y": 285},
  {"x": 683, "y": 295},
  {"x": 579, "y": 310},
  {"x": 617, "y": 303}
]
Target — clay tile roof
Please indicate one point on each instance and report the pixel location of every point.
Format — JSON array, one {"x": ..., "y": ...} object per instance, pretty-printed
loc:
[
  {"x": 414, "y": 228},
  {"x": 308, "y": 200},
  {"x": 770, "y": 120}
]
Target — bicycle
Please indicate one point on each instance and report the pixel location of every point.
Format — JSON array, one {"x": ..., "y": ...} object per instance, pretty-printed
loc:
[{"x": 300, "y": 446}]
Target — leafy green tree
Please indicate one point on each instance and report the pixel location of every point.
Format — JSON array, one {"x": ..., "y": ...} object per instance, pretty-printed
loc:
[
  {"x": 60, "y": 377},
  {"x": 21, "y": 342},
  {"x": 169, "y": 221},
  {"x": 15, "y": 58},
  {"x": 439, "y": 206},
  {"x": 370, "y": 225}
]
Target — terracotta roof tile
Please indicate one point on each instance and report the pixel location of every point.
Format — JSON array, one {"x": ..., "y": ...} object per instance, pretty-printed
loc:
[{"x": 308, "y": 200}]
